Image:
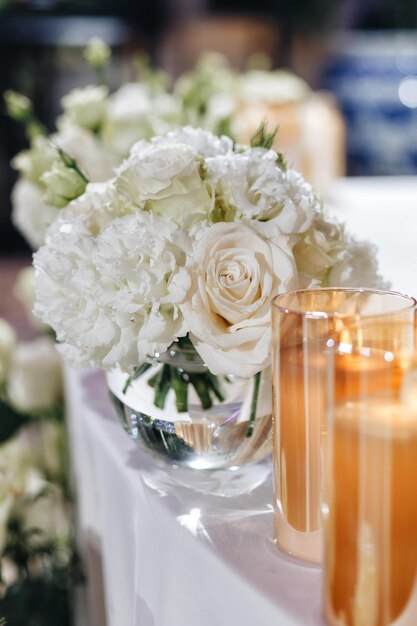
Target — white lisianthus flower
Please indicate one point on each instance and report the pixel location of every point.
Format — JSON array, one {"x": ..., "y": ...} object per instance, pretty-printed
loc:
[
  {"x": 358, "y": 268},
  {"x": 236, "y": 272},
  {"x": 327, "y": 256},
  {"x": 7, "y": 346},
  {"x": 257, "y": 188},
  {"x": 166, "y": 179},
  {"x": 86, "y": 106},
  {"x": 35, "y": 378},
  {"x": 113, "y": 299},
  {"x": 31, "y": 215},
  {"x": 203, "y": 142},
  {"x": 62, "y": 184}
]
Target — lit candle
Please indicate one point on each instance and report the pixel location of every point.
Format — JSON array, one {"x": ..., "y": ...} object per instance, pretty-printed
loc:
[{"x": 371, "y": 562}]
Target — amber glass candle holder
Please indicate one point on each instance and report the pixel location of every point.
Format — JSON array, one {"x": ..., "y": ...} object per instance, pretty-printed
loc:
[
  {"x": 307, "y": 325},
  {"x": 371, "y": 536}
]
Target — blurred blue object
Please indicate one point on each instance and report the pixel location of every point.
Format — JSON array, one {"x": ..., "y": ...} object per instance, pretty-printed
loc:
[{"x": 374, "y": 78}]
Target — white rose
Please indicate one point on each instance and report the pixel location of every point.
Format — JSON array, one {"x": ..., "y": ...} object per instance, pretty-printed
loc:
[
  {"x": 86, "y": 106},
  {"x": 236, "y": 273},
  {"x": 201, "y": 141},
  {"x": 7, "y": 346},
  {"x": 166, "y": 179},
  {"x": 62, "y": 184},
  {"x": 30, "y": 214},
  {"x": 253, "y": 184},
  {"x": 35, "y": 379}
]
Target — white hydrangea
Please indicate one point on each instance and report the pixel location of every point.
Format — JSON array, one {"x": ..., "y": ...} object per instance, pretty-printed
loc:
[
  {"x": 255, "y": 187},
  {"x": 166, "y": 179},
  {"x": 113, "y": 300},
  {"x": 31, "y": 215},
  {"x": 96, "y": 208},
  {"x": 86, "y": 106}
]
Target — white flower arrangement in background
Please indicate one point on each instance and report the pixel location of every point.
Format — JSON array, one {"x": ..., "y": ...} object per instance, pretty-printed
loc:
[
  {"x": 193, "y": 238},
  {"x": 30, "y": 374}
]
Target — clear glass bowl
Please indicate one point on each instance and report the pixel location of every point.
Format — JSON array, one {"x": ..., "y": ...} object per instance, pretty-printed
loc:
[{"x": 199, "y": 438}]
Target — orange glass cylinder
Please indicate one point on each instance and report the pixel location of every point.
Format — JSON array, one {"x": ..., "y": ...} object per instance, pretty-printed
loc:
[{"x": 306, "y": 326}]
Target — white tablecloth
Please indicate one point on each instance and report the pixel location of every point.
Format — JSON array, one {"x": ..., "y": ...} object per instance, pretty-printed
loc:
[{"x": 172, "y": 555}]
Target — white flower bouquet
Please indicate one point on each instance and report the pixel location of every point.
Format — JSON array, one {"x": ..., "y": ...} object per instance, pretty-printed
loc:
[{"x": 187, "y": 246}]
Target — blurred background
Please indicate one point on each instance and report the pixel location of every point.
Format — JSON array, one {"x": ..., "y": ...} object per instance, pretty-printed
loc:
[{"x": 363, "y": 51}]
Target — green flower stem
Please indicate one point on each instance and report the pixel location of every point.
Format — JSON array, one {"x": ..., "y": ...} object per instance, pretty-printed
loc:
[
  {"x": 180, "y": 387},
  {"x": 163, "y": 386},
  {"x": 213, "y": 382},
  {"x": 199, "y": 382},
  {"x": 254, "y": 405}
]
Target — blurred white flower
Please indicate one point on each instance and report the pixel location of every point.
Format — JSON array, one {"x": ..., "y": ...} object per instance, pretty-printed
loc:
[
  {"x": 24, "y": 290},
  {"x": 97, "y": 52},
  {"x": 7, "y": 347},
  {"x": 35, "y": 377},
  {"x": 86, "y": 106},
  {"x": 235, "y": 274},
  {"x": 279, "y": 86},
  {"x": 31, "y": 215},
  {"x": 86, "y": 149},
  {"x": 134, "y": 112},
  {"x": 32, "y": 163}
]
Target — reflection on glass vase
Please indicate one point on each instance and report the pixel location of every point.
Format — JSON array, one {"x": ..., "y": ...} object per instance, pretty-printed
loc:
[{"x": 176, "y": 408}]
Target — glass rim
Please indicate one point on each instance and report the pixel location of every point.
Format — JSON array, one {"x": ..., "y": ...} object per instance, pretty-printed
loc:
[{"x": 410, "y": 302}]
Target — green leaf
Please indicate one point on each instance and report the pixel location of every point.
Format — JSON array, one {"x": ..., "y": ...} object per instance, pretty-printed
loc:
[
  {"x": 199, "y": 382},
  {"x": 163, "y": 386},
  {"x": 261, "y": 138},
  {"x": 10, "y": 421},
  {"x": 137, "y": 372},
  {"x": 180, "y": 387}
]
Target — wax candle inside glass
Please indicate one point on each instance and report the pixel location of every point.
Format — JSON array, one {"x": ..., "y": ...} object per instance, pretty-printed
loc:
[
  {"x": 371, "y": 545},
  {"x": 306, "y": 325}
]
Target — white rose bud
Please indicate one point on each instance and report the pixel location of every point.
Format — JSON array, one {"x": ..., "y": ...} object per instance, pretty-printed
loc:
[
  {"x": 35, "y": 379},
  {"x": 97, "y": 52},
  {"x": 236, "y": 273},
  {"x": 63, "y": 184},
  {"x": 7, "y": 345},
  {"x": 19, "y": 107}
]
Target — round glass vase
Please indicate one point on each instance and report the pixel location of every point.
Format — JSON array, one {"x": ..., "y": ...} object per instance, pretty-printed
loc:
[{"x": 236, "y": 429}]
